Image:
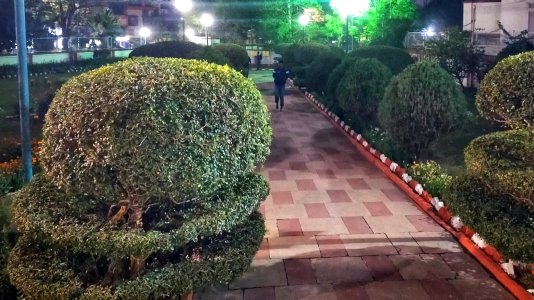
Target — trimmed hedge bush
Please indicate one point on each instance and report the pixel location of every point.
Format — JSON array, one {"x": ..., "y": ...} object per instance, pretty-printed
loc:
[
  {"x": 176, "y": 49},
  {"x": 149, "y": 187},
  {"x": 169, "y": 112},
  {"x": 505, "y": 160},
  {"x": 211, "y": 55},
  {"x": 237, "y": 56},
  {"x": 506, "y": 94},
  {"x": 319, "y": 70},
  {"x": 333, "y": 80},
  {"x": 420, "y": 104},
  {"x": 503, "y": 222},
  {"x": 396, "y": 59},
  {"x": 362, "y": 88}
]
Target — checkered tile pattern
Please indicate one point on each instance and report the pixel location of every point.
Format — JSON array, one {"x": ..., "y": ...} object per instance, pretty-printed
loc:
[{"x": 339, "y": 229}]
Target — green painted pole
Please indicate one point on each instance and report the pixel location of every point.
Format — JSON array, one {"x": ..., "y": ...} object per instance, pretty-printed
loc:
[{"x": 24, "y": 91}]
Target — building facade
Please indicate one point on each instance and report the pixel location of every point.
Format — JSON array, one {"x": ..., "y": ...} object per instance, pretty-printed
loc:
[{"x": 481, "y": 17}]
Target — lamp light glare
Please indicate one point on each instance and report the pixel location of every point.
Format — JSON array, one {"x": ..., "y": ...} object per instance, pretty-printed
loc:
[
  {"x": 206, "y": 20},
  {"x": 350, "y": 7},
  {"x": 183, "y": 5}
]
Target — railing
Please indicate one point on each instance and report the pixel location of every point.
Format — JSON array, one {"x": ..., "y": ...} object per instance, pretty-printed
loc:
[{"x": 59, "y": 44}]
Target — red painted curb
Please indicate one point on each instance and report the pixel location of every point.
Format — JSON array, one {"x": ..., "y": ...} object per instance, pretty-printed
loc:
[{"x": 488, "y": 258}]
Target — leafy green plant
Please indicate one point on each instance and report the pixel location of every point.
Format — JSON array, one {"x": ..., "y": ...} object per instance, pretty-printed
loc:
[
  {"x": 334, "y": 79},
  {"x": 432, "y": 176},
  {"x": 504, "y": 223},
  {"x": 362, "y": 88},
  {"x": 456, "y": 53},
  {"x": 319, "y": 70},
  {"x": 506, "y": 95},
  {"x": 420, "y": 104},
  {"x": 176, "y": 49},
  {"x": 396, "y": 59},
  {"x": 384, "y": 143},
  {"x": 157, "y": 194},
  {"x": 237, "y": 56},
  {"x": 505, "y": 160},
  {"x": 211, "y": 55}
]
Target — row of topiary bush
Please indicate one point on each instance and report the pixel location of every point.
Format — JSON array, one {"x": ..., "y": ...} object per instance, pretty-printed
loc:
[{"x": 376, "y": 89}]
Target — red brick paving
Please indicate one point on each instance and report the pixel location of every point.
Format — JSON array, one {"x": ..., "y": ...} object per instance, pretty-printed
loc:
[
  {"x": 306, "y": 185},
  {"x": 363, "y": 238},
  {"x": 316, "y": 210},
  {"x": 289, "y": 227}
]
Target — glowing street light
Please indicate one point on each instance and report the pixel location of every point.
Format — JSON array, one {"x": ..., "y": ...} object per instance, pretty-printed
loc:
[
  {"x": 349, "y": 8},
  {"x": 304, "y": 19},
  {"x": 145, "y": 32},
  {"x": 184, "y": 6},
  {"x": 206, "y": 20},
  {"x": 189, "y": 33}
]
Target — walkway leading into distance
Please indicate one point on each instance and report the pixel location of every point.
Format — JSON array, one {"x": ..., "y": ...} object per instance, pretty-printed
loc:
[{"x": 339, "y": 229}]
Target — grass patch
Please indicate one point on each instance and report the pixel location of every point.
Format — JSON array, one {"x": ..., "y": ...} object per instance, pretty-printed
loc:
[{"x": 261, "y": 76}]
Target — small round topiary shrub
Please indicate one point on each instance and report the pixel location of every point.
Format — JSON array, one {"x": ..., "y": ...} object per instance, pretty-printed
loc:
[
  {"x": 178, "y": 115},
  {"x": 306, "y": 53},
  {"x": 503, "y": 222},
  {"x": 236, "y": 54},
  {"x": 176, "y": 49},
  {"x": 362, "y": 88},
  {"x": 505, "y": 160},
  {"x": 506, "y": 94},
  {"x": 396, "y": 59},
  {"x": 334, "y": 78},
  {"x": 149, "y": 188},
  {"x": 319, "y": 70},
  {"x": 419, "y": 104}
]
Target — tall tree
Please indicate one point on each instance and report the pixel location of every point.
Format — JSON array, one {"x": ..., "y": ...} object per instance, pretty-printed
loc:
[
  {"x": 456, "y": 54},
  {"x": 279, "y": 21},
  {"x": 388, "y": 21}
]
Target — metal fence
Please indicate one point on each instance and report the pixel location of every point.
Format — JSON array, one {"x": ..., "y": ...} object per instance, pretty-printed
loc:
[{"x": 59, "y": 44}]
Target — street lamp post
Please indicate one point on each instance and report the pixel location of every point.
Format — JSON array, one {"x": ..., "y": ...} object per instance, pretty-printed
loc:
[
  {"x": 304, "y": 20},
  {"x": 183, "y": 6},
  {"x": 349, "y": 8},
  {"x": 145, "y": 32},
  {"x": 206, "y": 20}
]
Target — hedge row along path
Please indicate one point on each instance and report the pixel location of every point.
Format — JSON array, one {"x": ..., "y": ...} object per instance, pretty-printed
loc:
[{"x": 338, "y": 228}]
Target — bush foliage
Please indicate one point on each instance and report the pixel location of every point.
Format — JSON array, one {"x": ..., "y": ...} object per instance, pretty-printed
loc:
[
  {"x": 503, "y": 222},
  {"x": 334, "y": 79},
  {"x": 420, "y": 104},
  {"x": 237, "y": 56},
  {"x": 505, "y": 160},
  {"x": 176, "y": 49},
  {"x": 506, "y": 94},
  {"x": 396, "y": 59},
  {"x": 319, "y": 70},
  {"x": 362, "y": 88},
  {"x": 432, "y": 176},
  {"x": 157, "y": 193}
]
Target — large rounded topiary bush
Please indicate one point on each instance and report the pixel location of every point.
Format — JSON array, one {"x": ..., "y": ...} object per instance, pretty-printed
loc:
[
  {"x": 396, "y": 59},
  {"x": 237, "y": 56},
  {"x": 148, "y": 189},
  {"x": 176, "y": 49},
  {"x": 419, "y": 104},
  {"x": 361, "y": 89},
  {"x": 319, "y": 70},
  {"x": 506, "y": 95}
]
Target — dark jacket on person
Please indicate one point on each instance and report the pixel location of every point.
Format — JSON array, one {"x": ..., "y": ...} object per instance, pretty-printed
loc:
[{"x": 280, "y": 75}]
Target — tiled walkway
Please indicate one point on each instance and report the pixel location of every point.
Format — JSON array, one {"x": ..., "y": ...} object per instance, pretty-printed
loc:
[{"x": 339, "y": 229}]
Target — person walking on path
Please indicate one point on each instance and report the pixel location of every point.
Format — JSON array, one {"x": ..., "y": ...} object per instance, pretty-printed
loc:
[
  {"x": 259, "y": 57},
  {"x": 280, "y": 75}
]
